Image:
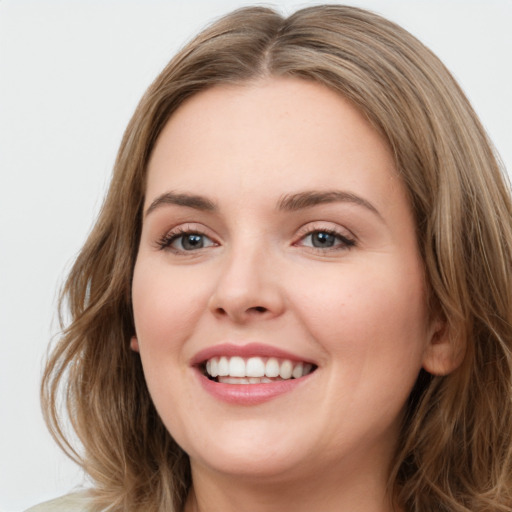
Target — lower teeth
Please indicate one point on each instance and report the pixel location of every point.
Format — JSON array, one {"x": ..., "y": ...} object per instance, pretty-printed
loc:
[{"x": 246, "y": 380}]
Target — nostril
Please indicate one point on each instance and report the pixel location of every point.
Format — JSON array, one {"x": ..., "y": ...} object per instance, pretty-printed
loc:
[{"x": 259, "y": 309}]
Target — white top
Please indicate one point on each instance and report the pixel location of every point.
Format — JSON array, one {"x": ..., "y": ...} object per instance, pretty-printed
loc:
[{"x": 76, "y": 502}]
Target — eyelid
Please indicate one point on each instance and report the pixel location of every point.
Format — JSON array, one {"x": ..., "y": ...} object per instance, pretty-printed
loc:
[
  {"x": 325, "y": 226},
  {"x": 164, "y": 242},
  {"x": 348, "y": 238},
  {"x": 344, "y": 235}
]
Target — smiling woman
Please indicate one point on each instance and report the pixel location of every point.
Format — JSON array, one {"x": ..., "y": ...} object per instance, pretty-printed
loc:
[
  {"x": 297, "y": 295},
  {"x": 282, "y": 274}
]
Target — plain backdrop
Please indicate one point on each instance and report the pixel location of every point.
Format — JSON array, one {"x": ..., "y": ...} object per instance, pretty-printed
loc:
[{"x": 71, "y": 73}]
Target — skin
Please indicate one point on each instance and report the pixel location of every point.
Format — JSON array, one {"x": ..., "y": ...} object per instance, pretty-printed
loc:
[{"x": 358, "y": 309}]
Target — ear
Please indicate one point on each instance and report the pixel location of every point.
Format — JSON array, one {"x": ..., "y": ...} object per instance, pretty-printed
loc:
[
  {"x": 134, "y": 344},
  {"x": 445, "y": 351}
]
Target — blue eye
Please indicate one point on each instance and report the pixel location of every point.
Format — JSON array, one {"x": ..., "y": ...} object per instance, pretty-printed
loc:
[
  {"x": 185, "y": 241},
  {"x": 190, "y": 242},
  {"x": 325, "y": 239},
  {"x": 322, "y": 239}
]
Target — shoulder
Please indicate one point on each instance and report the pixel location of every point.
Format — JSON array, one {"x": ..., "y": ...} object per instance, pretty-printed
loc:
[{"x": 76, "y": 502}]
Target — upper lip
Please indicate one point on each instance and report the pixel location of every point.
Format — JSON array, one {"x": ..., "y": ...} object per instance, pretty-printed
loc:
[{"x": 245, "y": 351}]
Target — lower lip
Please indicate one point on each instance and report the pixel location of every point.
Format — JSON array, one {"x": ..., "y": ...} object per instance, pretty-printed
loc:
[{"x": 249, "y": 394}]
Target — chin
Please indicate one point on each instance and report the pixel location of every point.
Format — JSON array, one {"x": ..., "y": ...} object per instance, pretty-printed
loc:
[
  {"x": 251, "y": 466},
  {"x": 249, "y": 453}
]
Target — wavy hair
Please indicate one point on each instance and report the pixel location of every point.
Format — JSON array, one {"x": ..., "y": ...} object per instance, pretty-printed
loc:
[{"x": 455, "y": 451}]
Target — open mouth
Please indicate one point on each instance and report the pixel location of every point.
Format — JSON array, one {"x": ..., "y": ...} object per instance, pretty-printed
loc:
[{"x": 254, "y": 370}]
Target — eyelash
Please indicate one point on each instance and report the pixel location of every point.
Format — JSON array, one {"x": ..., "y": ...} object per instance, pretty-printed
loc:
[
  {"x": 344, "y": 242},
  {"x": 166, "y": 241}
]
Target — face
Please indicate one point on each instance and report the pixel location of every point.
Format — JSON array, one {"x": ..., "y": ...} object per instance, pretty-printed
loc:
[{"x": 278, "y": 292}]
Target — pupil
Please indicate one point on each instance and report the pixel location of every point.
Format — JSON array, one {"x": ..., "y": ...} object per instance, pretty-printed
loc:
[
  {"x": 193, "y": 242},
  {"x": 322, "y": 239}
]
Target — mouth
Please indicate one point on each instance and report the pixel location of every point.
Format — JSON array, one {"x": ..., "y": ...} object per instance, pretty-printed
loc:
[
  {"x": 254, "y": 370},
  {"x": 250, "y": 374}
]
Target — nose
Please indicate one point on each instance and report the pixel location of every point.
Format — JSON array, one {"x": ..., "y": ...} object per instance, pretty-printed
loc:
[{"x": 248, "y": 288}]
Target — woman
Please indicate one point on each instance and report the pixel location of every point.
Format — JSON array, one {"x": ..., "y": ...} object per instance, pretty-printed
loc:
[{"x": 297, "y": 294}]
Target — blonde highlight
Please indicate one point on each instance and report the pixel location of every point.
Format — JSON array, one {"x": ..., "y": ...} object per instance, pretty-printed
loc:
[{"x": 456, "y": 447}]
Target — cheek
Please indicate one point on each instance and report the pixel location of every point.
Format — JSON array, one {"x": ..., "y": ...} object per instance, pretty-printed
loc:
[
  {"x": 373, "y": 316},
  {"x": 166, "y": 305},
  {"x": 369, "y": 321}
]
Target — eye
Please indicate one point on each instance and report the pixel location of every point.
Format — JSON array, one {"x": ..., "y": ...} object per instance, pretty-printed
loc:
[
  {"x": 326, "y": 239},
  {"x": 180, "y": 241},
  {"x": 191, "y": 242}
]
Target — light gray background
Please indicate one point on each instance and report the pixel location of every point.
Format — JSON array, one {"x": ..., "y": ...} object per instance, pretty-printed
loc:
[{"x": 71, "y": 73}]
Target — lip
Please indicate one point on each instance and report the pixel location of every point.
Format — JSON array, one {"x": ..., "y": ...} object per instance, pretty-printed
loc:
[
  {"x": 247, "y": 350},
  {"x": 247, "y": 394}
]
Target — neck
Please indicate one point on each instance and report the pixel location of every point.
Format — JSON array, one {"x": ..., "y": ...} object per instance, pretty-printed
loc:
[{"x": 330, "y": 491}]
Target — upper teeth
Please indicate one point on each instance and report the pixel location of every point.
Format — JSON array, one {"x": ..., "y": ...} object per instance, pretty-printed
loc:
[{"x": 256, "y": 367}]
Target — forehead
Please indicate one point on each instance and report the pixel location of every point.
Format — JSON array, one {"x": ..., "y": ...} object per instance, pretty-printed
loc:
[{"x": 276, "y": 135}]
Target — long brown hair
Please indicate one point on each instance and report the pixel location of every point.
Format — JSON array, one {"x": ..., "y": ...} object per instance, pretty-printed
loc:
[{"x": 455, "y": 449}]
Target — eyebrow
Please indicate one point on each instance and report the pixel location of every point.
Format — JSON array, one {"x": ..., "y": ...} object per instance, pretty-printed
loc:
[
  {"x": 293, "y": 202},
  {"x": 287, "y": 203},
  {"x": 179, "y": 199}
]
